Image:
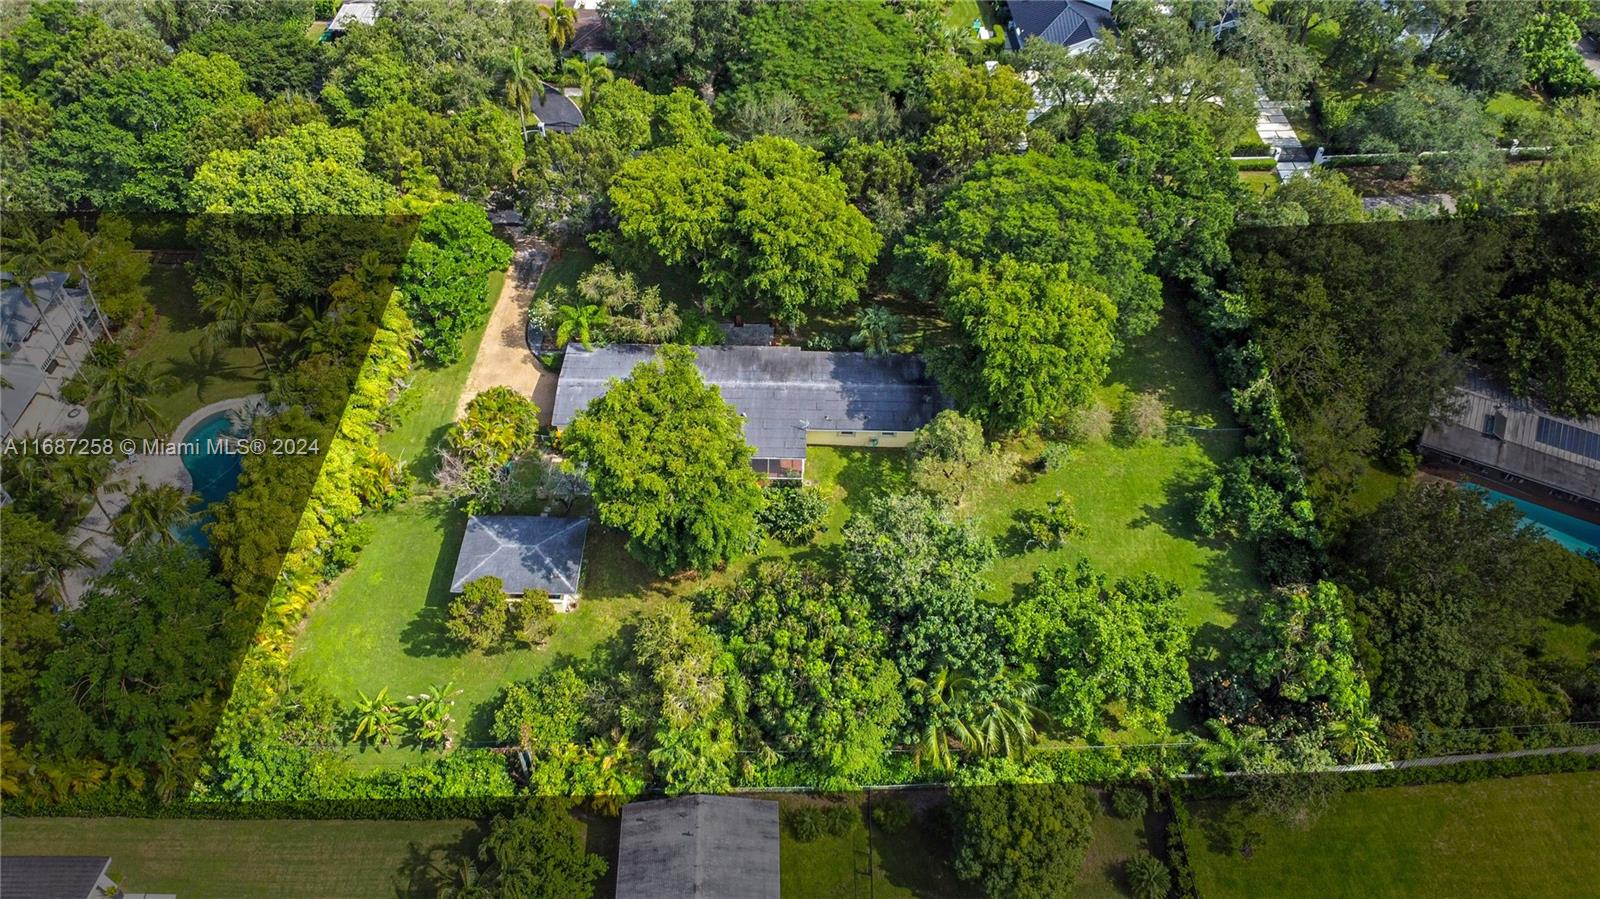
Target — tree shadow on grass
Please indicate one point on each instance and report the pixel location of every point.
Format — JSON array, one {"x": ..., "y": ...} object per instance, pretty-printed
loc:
[
  {"x": 424, "y": 635},
  {"x": 869, "y": 473}
]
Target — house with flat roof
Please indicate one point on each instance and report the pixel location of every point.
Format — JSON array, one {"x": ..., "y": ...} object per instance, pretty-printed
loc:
[
  {"x": 44, "y": 339},
  {"x": 708, "y": 847},
  {"x": 1517, "y": 439},
  {"x": 532, "y": 555},
  {"x": 789, "y": 398}
]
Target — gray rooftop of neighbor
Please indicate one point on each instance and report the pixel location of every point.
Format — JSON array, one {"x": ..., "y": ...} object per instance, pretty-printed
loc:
[
  {"x": 782, "y": 392},
  {"x": 555, "y": 110},
  {"x": 528, "y": 553},
  {"x": 707, "y": 847},
  {"x": 51, "y": 876},
  {"x": 363, "y": 12},
  {"x": 1064, "y": 22}
]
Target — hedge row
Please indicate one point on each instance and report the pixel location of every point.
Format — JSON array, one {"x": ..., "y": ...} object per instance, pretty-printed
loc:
[{"x": 1256, "y": 164}]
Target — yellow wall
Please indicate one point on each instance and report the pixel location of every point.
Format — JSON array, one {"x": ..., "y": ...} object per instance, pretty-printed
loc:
[{"x": 858, "y": 438}]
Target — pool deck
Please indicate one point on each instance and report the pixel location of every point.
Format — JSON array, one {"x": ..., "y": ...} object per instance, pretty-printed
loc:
[{"x": 93, "y": 534}]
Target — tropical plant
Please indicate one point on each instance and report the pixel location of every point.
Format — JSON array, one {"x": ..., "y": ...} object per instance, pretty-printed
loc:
[
  {"x": 579, "y": 320},
  {"x": 560, "y": 23},
  {"x": 376, "y": 718},
  {"x": 121, "y": 393},
  {"x": 877, "y": 331},
  {"x": 1148, "y": 876},
  {"x": 1357, "y": 738},
  {"x": 430, "y": 712},
  {"x": 153, "y": 513},
  {"x": 521, "y": 87},
  {"x": 586, "y": 75},
  {"x": 244, "y": 315},
  {"x": 70, "y": 248},
  {"x": 1052, "y": 526}
]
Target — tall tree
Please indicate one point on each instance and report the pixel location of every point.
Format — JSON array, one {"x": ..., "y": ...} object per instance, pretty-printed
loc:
[
  {"x": 666, "y": 458},
  {"x": 153, "y": 514}
]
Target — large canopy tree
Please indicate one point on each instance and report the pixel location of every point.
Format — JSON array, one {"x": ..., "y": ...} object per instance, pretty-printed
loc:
[
  {"x": 765, "y": 224},
  {"x": 665, "y": 456}
]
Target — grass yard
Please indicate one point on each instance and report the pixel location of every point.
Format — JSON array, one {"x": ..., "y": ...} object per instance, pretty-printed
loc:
[
  {"x": 171, "y": 349},
  {"x": 335, "y": 859},
  {"x": 1525, "y": 836},
  {"x": 1261, "y": 183},
  {"x": 1132, "y": 498},
  {"x": 960, "y": 14},
  {"x": 911, "y": 863},
  {"x": 1115, "y": 841}
]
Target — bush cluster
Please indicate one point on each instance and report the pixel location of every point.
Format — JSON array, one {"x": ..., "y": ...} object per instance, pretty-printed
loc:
[
  {"x": 792, "y": 513},
  {"x": 812, "y": 822}
]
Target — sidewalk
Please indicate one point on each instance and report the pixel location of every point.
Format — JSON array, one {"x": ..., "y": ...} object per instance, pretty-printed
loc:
[{"x": 1273, "y": 127}]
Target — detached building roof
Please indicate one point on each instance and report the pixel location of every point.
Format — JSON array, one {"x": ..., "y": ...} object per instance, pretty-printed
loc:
[
  {"x": 1065, "y": 22},
  {"x": 51, "y": 876},
  {"x": 782, "y": 392},
  {"x": 358, "y": 12},
  {"x": 556, "y": 111},
  {"x": 705, "y": 847},
  {"x": 535, "y": 554}
]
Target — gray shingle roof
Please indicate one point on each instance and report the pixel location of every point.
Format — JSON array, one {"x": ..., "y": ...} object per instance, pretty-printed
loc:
[
  {"x": 782, "y": 392},
  {"x": 706, "y": 847},
  {"x": 556, "y": 111},
  {"x": 528, "y": 553},
  {"x": 51, "y": 876},
  {"x": 1064, "y": 22}
]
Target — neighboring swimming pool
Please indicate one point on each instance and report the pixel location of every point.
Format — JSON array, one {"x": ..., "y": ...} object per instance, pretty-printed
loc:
[
  {"x": 1574, "y": 533},
  {"x": 214, "y": 474}
]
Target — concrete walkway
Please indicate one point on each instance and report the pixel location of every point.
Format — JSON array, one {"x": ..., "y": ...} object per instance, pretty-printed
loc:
[
  {"x": 504, "y": 359},
  {"x": 1273, "y": 127}
]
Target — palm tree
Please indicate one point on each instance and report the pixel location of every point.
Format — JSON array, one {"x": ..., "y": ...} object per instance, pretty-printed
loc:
[
  {"x": 560, "y": 24},
  {"x": 1002, "y": 719},
  {"x": 1357, "y": 738},
  {"x": 877, "y": 331},
  {"x": 80, "y": 476},
  {"x": 521, "y": 85},
  {"x": 1230, "y": 750},
  {"x": 121, "y": 393},
  {"x": 40, "y": 565},
  {"x": 614, "y": 781},
  {"x": 585, "y": 75},
  {"x": 25, "y": 260},
  {"x": 579, "y": 320},
  {"x": 70, "y": 248},
  {"x": 943, "y": 731},
  {"x": 431, "y": 713},
  {"x": 153, "y": 514},
  {"x": 243, "y": 315}
]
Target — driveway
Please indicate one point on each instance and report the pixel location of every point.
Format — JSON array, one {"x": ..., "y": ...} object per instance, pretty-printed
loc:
[{"x": 503, "y": 358}]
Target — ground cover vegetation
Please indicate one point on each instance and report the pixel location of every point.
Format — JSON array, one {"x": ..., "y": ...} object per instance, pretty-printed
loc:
[{"x": 1094, "y": 544}]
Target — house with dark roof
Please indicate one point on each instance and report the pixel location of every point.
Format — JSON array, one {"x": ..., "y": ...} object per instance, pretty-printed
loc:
[
  {"x": 62, "y": 877},
  {"x": 706, "y": 847},
  {"x": 555, "y": 111},
  {"x": 1490, "y": 428},
  {"x": 1074, "y": 24},
  {"x": 593, "y": 37},
  {"x": 789, "y": 398},
  {"x": 532, "y": 555}
]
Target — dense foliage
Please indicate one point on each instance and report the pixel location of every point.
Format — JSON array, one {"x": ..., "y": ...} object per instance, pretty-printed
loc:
[
  {"x": 1023, "y": 840},
  {"x": 446, "y": 275}
]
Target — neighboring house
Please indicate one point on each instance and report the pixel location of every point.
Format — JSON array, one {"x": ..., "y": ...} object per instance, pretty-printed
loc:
[
  {"x": 1074, "y": 24},
  {"x": 789, "y": 398},
  {"x": 353, "y": 12},
  {"x": 41, "y": 348},
  {"x": 555, "y": 111},
  {"x": 1519, "y": 440},
  {"x": 532, "y": 555},
  {"x": 62, "y": 877},
  {"x": 707, "y": 847},
  {"x": 594, "y": 37}
]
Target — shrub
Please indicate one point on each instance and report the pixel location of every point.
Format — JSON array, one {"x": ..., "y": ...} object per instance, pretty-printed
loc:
[
  {"x": 698, "y": 329},
  {"x": 1129, "y": 802},
  {"x": 1021, "y": 840},
  {"x": 1056, "y": 456},
  {"x": 344, "y": 551},
  {"x": 1256, "y": 164},
  {"x": 1082, "y": 425},
  {"x": 892, "y": 815},
  {"x": 949, "y": 457},
  {"x": 1142, "y": 416},
  {"x": 811, "y": 822},
  {"x": 1148, "y": 876},
  {"x": 531, "y": 620},
  {"x": 792, "y": 513},
  {"x": 478, "y": 616},
  {"x": 1052, "y": 526}
]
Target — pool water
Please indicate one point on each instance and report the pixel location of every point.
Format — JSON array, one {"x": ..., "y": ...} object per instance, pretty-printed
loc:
[
  {"x": 1574, "y": 533},
  {"x": 214, "y": 474}
]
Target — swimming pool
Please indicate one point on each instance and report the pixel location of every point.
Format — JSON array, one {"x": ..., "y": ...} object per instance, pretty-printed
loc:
[
  {"x": 214, "y": 474},
  {"x": 1574, "y": 533}
]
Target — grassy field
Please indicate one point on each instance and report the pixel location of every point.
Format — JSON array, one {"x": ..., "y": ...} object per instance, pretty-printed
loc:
[
  {"x": 170, "y": 349},
  {"x": 1526, "y": 836},
  {"x": 910, "y": 863},
  {"x": 196, "y": 859},
  {"x": 1132, "y": 498}
]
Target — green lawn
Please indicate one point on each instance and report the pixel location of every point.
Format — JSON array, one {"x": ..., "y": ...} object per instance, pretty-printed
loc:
[
  {"x": 910, "y": 863},
  {"x": 1132, "y": 498},
  {"x": 169, "y": 349},
  {"x": 241, "y": 858},
  {"x": 1115, "y": 841},
  {"x": 961, "y": 14},
  {"x": 1525, "y": 836},
  {"x": 1259, "y": 182}
]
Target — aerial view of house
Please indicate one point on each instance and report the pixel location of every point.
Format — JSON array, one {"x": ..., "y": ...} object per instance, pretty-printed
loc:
[{"x": 755, "y": 448}]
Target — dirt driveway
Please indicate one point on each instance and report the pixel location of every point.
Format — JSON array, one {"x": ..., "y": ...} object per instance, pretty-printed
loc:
[{"x": 503, "y": 358}]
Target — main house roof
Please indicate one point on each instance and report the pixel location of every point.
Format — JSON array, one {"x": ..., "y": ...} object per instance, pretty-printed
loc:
[
  {"x": 704, "y": 846},
  {"x": 781, "y": 392},
  {"x": 528, "y": 553},
  {"x": 1065, "y": 22}
]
